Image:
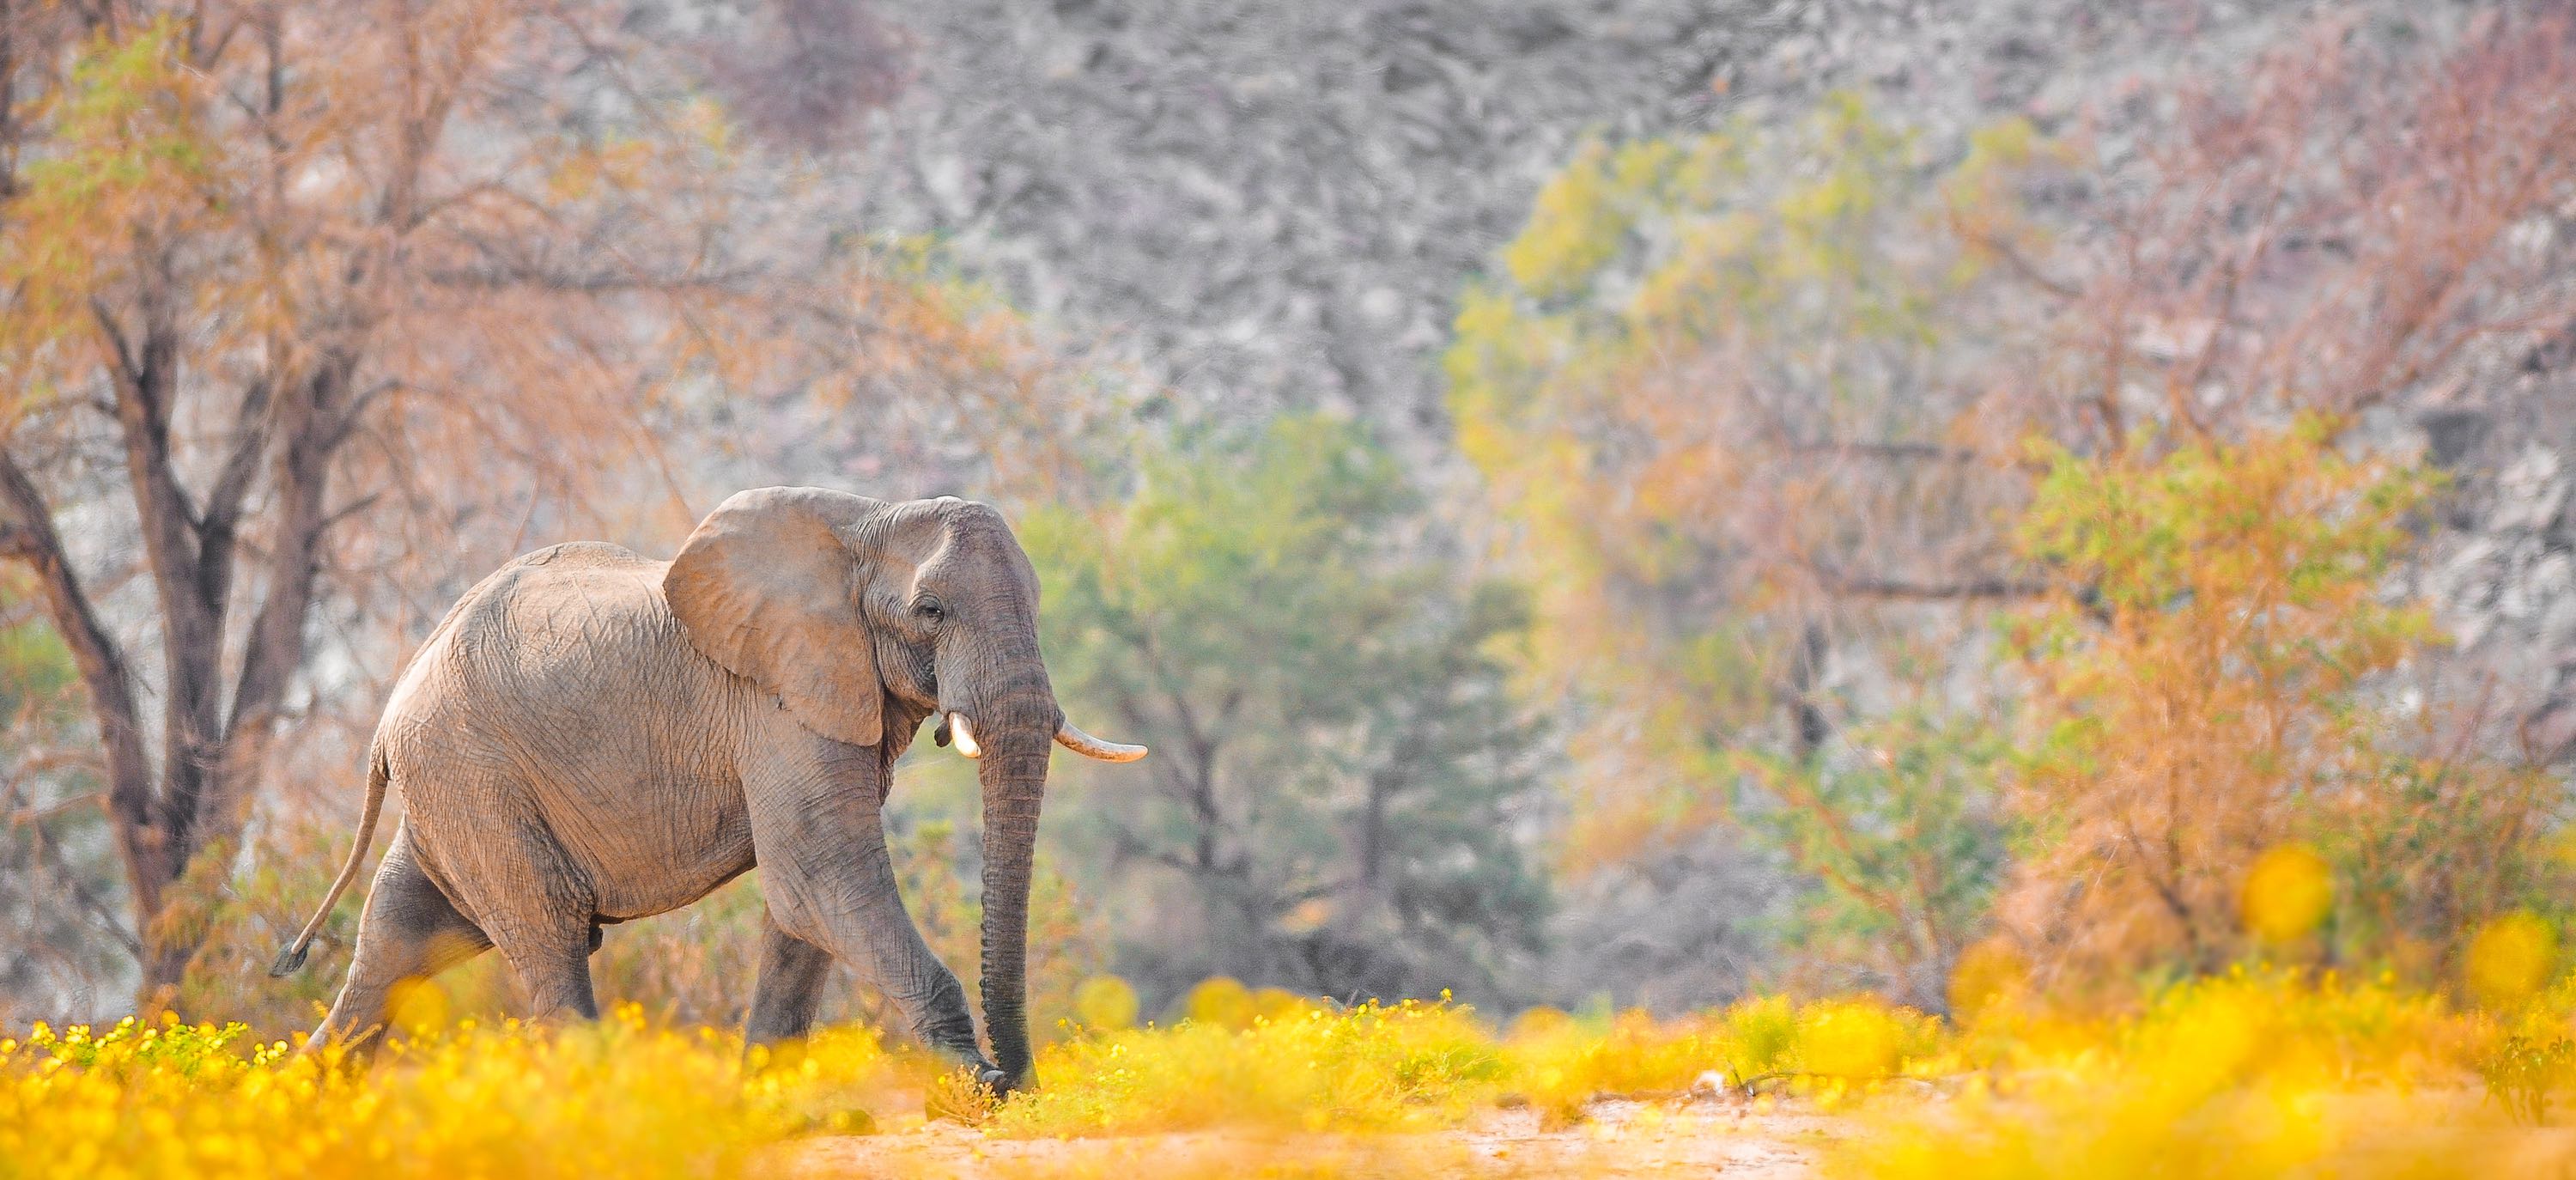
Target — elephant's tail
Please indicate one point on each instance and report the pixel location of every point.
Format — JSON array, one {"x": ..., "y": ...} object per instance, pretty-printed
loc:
[{"x": 292, "y": 958}]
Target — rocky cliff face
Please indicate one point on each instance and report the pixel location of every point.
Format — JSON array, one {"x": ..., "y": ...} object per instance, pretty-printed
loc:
[
  {"x": 1277, "y": 204},
  {"x": 1270, "y": 204},
  {"x": 2500, "y": 564}
]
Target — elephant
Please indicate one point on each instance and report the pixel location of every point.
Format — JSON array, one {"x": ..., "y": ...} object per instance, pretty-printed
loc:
[{"x": 590, "y": 736}]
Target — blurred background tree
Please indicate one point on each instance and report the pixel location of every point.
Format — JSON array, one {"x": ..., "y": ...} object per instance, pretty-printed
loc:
[
  {"x": 1726, "y": 400},
  {"x": 1354, "y": 812},
  {"x": 250, "y": 292},
  {"x": 2194, "y": 687},
  {"x": 65, "y": 930}
]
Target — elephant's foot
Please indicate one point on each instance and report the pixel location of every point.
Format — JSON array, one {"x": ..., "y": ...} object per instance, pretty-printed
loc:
[
  {"x": 972, "y": 1062},
  {"x": 969, "y": 1094},
  {"x": 353, "y": 1051}
]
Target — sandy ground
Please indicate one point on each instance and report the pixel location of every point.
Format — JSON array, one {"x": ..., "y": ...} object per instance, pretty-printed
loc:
[{"x": 1618, "y": 1139}]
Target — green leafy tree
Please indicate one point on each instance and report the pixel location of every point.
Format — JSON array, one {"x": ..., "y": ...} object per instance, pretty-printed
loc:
[
  {"x": 1904, "y": 825},
  {"x": 1340, "y": 790}
]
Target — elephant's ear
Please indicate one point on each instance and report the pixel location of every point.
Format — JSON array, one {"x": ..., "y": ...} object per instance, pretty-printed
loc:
[{"x": 768, "y": 587}]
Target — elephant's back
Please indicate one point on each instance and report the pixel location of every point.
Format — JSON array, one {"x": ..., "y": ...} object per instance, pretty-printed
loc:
[
  {"x": 567, "y": 637},
  {"x": 569, "y": 605},
  {"x": 577, "y": 555},
  {"x": 550, "y": 620}
]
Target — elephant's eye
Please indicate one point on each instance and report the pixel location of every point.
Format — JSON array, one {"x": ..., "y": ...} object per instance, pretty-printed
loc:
[{"x": 930, "y": 609}]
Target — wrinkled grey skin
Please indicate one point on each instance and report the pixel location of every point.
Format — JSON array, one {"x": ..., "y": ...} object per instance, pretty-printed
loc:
[{"x": 591, "y": 737}]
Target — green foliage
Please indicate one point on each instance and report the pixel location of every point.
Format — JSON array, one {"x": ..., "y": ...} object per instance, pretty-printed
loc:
[
  {"x": 1337, "y": 765},
  {"x": 54, "y": 846},
  {"x": 1904, "y": 824},
  {"x": 2282, "y": 514},
  {"x": 1806, "y": 243},
  {"x": 2427, "y": 838},
  {"x": 1758, "y": 427},
  {"x": 197, "y": 1052},
  {"x": 934, "y": 867},
  {"x": 36, "y": 673},
  {"x": 2523, "y": 1072}
]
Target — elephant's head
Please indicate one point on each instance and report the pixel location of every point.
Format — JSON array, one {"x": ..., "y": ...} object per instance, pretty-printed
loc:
[{"x": 849, "y": 608}]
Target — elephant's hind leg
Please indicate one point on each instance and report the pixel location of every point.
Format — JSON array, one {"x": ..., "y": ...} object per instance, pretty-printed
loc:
[
  {"x": 527, "y": 893},
  {"x": 410, "y": 931},
  {"x": 553, "y": 966},
  {"x": 545, "y": 933},
  {"x": 790, "y": 990}
]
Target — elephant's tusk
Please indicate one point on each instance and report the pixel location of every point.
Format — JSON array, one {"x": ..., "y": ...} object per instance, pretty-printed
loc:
[
  {"x": 1072, "y": 738},
  {"x": 959, "y": 728}
]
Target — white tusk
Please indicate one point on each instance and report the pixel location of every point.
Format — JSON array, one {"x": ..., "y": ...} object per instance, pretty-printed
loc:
[
  {"x": 1072, "y": 738},
  {"x": 965, "y": 735}
]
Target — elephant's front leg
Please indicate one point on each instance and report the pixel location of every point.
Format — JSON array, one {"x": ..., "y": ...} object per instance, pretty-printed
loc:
[{"x": 829, "y": 881}]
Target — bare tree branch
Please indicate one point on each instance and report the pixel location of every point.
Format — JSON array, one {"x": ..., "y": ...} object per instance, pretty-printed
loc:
[{"x": 103, "y": 669}]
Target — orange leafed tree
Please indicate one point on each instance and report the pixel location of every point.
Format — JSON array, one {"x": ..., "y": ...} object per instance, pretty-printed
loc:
[
  {"x": 2342, "y": 228},
  {"x": 2195, "y": 682}
]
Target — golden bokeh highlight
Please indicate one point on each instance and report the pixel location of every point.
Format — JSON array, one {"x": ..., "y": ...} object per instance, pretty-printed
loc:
[
  {"x": 2510, "y": 959},
  {"x": 1220, "y": 1001},
  {"x": 2287, "y": 894},
  {"x": 418, "y": 1007},
  {"x": 1105, "y": 1002},
  {"x": 1541, "y": 1021},
  {"x": 1278, "y": 1003}
]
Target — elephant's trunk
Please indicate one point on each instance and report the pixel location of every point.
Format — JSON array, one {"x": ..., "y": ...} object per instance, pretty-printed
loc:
[{"x": 1016, "y": 729}]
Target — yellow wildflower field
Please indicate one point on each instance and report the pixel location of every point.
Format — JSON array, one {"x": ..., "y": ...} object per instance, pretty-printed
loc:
[{"x": 2246, "y": 1074}]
